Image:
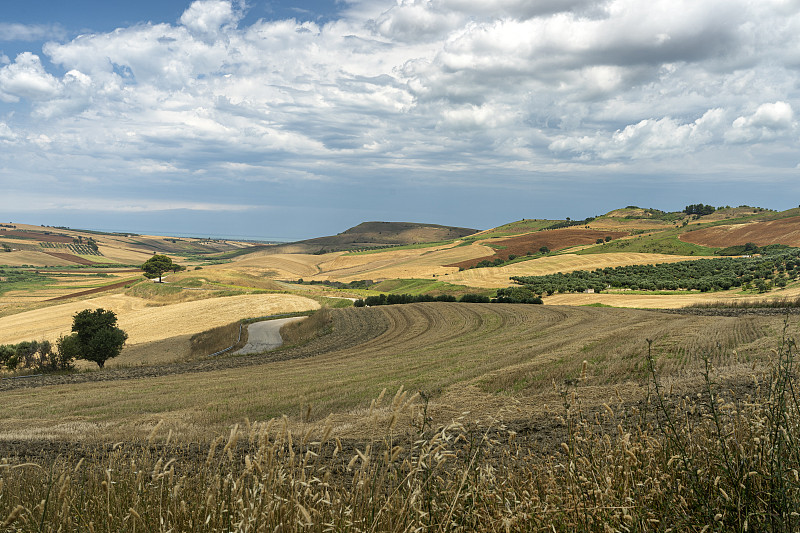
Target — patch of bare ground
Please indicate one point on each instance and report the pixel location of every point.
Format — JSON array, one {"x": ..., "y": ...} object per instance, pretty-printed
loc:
[
  {"x": 782, "y": 231},
  {"x": 530, "y": 243}
]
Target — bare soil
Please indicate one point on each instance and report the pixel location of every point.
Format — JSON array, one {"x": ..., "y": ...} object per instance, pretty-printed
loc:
[
  {"x": 531, "y": 243},
  {"x": 72, "y": 258},
  {"x": 784, "y": 231}
]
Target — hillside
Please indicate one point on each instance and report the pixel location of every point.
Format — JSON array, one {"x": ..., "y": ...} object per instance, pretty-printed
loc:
[{"x": 375, "y": 235}]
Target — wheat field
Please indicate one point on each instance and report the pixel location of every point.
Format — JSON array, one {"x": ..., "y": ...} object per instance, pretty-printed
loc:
[{"x": 145, "y": 323}]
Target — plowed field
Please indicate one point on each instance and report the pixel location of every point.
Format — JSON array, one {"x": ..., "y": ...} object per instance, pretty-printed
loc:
[
  {"x": 531, "y": 242},
  {"x": 783, "y": 231},
  {"x": 467, "y": 357}
]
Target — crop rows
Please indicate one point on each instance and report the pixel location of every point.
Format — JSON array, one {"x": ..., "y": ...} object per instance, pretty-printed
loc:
[
  {"x": 80, "y": 249},
  {"x": 703, "y": 275}
]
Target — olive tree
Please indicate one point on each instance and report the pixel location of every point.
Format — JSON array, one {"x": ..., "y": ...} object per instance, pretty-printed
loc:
[{"x": 98, "y": 337}]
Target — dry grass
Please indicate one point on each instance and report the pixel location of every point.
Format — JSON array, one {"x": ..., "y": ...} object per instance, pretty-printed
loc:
[
  {"x": 714, "y": 461},
  {"x": 304, "y": 330},
  {"x": 26, "y": 257},
  {"x": 145, "y": 324},
  {"x": 782, "y": 231},
  {"x": 468, "y": 356},
  {"x": 496, "y": 277},
  {"x": 284, "y": 266}
]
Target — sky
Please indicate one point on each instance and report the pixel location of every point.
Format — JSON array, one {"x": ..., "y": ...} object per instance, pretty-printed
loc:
[{"x": 289, "y": 120}]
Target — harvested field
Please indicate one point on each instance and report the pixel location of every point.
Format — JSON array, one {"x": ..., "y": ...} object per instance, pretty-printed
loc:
[
  {"x": 783, "y": 231},
  {"x": 87, "y": 292},
  {"x": 36, "y": 259},
  {"x": 496, "y": 277},
  {"x": 399, "y": 264},
  {"x": 35, "y": 236},
  {"x": 531, "y": 243},
  {"x": 285, "y": 266},
  {"x": 145, "y": 324},
  {"x": 465, "y": 356},
  {"x": 124, "y": 256},
  {"x": 668, "y": 301}
]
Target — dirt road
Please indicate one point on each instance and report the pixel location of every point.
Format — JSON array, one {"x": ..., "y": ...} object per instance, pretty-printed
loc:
[{"x": 265, "y": 336}]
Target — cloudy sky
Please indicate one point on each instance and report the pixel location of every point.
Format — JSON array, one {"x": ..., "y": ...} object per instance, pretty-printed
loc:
[{"x": 288, "y": 120}]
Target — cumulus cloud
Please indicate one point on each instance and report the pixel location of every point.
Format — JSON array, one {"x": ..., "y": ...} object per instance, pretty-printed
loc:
[
  {"x": 27, "y": 78},
  {"x": 208, "y": 17},
  {"x": 426, "y": 86},
  {"x": 767, "y": 122}
]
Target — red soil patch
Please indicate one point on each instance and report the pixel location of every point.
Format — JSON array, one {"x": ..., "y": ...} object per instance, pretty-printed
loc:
[
  {"x": 784, "y": 231},
  {"x": 70, "y": 257},
  {"x": 91, "y": 291},
  {"x": 557, "y": 239},
  {"x": 35, "y": 236}
]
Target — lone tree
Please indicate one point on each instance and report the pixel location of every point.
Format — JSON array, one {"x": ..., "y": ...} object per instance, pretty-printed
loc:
[
  {"x": 157, "y": 265},
  {"x": 97, "y": 337}
]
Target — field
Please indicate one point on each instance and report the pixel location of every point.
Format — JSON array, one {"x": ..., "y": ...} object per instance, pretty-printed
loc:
[
  {"x": 423, "y": 416},
  {"x": 459, "y": 354},
  {"x": 530, "y": 243},
  {"x": 147, "y": 325},
  {"x": 783, "y": 231},
  {"x": 501, "y": 276}
]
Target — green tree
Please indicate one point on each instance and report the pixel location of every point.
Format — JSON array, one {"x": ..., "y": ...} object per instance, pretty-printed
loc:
[
  {"x": 158, "y": 264},
  {"x": 98, "y": 337}
]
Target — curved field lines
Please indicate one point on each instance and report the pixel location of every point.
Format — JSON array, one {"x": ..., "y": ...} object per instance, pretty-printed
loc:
[
  {"x": 464, "y": 356},
  {"x": 494, "y": 277},
  {"x": 145, "y": 324},
  {"x": 286, "y": 266},
  {"x": 399, "y": 264}
]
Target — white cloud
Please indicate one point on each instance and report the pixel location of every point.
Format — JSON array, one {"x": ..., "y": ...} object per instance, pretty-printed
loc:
[
  {"x": 767, "y": 122},
  {"x": 207, "y": 17},
  {"x": 26, "y": 78},
  {"x": 30, "y": 32},
  {"x": 415, "y": 85}
]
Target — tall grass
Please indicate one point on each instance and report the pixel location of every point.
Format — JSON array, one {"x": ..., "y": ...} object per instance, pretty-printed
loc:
[{"x": 709, "y": 460}]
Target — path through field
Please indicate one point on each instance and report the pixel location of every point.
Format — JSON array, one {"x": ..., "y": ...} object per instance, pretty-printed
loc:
[{"x": 265, "y": 336}]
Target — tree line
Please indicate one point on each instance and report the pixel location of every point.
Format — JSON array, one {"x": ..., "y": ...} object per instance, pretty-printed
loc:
[{"x": 512, "y": 295}]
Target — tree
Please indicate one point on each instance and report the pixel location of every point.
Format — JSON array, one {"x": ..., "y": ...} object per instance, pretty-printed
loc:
[
  {"x": 98, "y": 337},
  {"x": 157, "y": 265}
]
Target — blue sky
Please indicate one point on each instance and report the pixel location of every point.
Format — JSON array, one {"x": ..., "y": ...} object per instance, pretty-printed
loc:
[{"x": 298, "y": 119}]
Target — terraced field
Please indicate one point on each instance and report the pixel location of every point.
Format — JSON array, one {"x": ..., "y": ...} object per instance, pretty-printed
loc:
[{"x": 466, "y": 357}]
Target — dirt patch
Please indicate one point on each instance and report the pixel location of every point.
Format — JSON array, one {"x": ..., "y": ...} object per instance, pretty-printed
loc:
[
  {"x": 37, "y": 236},
  {"x": 531, "y": 243},
  {"x": 72, "y": 258},
  {"x": 784, "y": 231},
  {"x": 91, "y": 291}
]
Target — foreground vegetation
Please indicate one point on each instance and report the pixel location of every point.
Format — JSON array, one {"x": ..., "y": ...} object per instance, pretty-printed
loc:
[{"x": 710, "y": 461}]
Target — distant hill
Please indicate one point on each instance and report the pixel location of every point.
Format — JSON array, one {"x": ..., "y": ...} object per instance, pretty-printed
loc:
[{"x": 376, "y": 235}]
